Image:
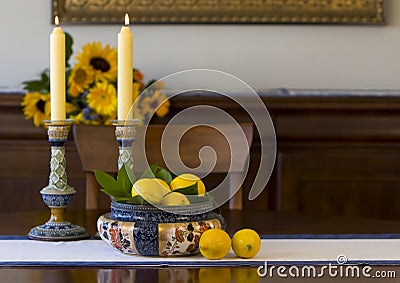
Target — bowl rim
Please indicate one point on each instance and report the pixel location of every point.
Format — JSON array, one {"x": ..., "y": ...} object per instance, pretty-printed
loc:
[{"x": 194, "y": 208}]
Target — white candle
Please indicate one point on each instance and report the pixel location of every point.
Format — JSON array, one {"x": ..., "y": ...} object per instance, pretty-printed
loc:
[
  {"x": 57, "y": 73},
  {"x": 125, "y": 71}
]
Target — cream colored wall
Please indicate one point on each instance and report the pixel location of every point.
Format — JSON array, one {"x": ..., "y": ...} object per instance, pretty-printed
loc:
[{"x": 265, "y": 56}]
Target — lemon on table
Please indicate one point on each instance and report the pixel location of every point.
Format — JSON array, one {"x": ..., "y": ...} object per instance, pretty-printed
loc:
[
  {"x": 174, "y": 198},
  {"x": 186, "y": 180},
  {"x": 214, "y": 243},
  {"x": 151, "y": 189},
  {"x": 246, "y": 243}
]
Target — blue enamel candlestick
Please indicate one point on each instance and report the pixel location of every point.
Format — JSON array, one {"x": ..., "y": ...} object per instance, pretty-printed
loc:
[
  {"x": 125, "y": 136},
  {"x": 57, "y": 195}
]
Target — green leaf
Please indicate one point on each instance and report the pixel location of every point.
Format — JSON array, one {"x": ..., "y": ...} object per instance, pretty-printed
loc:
[
  {"x": 123, "y": 181},
  {"x": 124, "y": 199},
  {"x": 44, "y": 77},
  {"x": 33, "y": 85},
  {"x": 156, "y": 171},
  {"x": 131, "y": 176},
  {"x": 46, "y": 80},
  {"x": 199, "y": 199},
  {"x": 106, "y": 192},
  {"x": 113, "y": 187},
  {"x": 174, "y": 175},
  {"x": 138, "y": 199},
  {"x": 110, "y": 185},
  {"x": 164, "y": 175},
  {"x": 68, "y": 48},
  {"x": 150, "y": 172},
  {"x": 106, "y": 181},
  {"x": 190, "y": 190},
  {"x": 42, "y": 85},
  {"x": 115, "y": 194}
]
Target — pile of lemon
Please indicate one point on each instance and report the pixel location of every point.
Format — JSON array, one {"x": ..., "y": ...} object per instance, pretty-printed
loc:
[
  {"x": 157, "y": 192},
  {"x": 216, "y": 243}
]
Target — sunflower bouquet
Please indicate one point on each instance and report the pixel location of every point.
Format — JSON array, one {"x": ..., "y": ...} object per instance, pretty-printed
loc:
[{"x": 91, "y": 94}]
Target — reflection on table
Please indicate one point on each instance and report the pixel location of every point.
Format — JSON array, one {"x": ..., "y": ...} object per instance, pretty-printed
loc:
[
  {"x": 265, "y": 223},
  {"x": 184, "y": 275}
]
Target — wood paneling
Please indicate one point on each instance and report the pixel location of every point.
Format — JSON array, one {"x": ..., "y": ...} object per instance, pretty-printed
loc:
[
  {"x": 336, "y": 154},
  {"x": 351, "y": 179},
  {"x": 24, "y": 156}
]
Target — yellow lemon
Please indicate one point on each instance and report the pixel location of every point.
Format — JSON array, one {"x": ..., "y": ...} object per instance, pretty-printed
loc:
[
  {"x": 214, "y": 275},
  {"x": 175, "y": 198},
  {"x": 214, "y": 243},
  {"x": 151, "y": 189},
  {"x": 246, "y": 243},
  {"x": 186, "y": 180}
]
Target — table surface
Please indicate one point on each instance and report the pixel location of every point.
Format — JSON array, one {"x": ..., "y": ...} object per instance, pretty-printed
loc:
[
  {"x": 265, "y": 223},
  {"x": 270, "y": 224}
]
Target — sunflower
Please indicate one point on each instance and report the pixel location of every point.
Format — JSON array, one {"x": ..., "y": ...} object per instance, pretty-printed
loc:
[
  {"x": 163, "y": 109},
  {"x": 78, "y": 118},
  {"x": 156, "y": 102},
  {"x": 103, "y": 61},
  {"x": 70, "y": 108},
  {"x": 102, "y": 98},
  {"x": 80, "y": 79},
  {"x": 36, "y": 105}
]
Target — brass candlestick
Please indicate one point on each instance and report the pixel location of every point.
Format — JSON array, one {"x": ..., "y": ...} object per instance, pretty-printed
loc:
[{"x": 58, "y": 194}]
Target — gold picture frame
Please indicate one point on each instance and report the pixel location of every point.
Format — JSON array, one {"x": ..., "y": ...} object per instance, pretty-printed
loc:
[{"x": 220, "y": 11}]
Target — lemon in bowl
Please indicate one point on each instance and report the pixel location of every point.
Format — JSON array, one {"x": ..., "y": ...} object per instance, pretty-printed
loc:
[
  {"x": 175, "y": 198},
  {"x": 188, "y": 180},
  {"x": 152, "y": 190}
]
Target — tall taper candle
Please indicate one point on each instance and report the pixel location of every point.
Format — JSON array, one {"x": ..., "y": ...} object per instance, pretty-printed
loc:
[
  {"x": 57, "y": 73},
  {"x": 125, "y": 71}
]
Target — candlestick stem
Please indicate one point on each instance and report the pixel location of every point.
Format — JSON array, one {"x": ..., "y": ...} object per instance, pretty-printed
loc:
[
  {"x": 125, "y": 135},
  {"x": 58, "y": 174}
]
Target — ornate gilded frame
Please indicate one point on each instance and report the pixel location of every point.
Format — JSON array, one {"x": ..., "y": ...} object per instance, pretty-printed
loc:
[{"x": 220, "y": 11}]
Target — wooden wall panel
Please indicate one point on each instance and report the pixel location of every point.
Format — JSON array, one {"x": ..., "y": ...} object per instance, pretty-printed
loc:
[
  {"x": 24, "y": 161},
  {"x": 354, "y": 179},
  {"x": 25, "y": 171},
  {"x": 336, "y": 154}
]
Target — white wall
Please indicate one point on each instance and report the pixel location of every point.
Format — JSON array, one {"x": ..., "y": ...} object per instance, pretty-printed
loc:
[{"x": 265, "y": 56}]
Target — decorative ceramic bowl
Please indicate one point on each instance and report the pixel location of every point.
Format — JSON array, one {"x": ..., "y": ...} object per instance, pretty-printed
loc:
[{"x": 150, "y": 231}]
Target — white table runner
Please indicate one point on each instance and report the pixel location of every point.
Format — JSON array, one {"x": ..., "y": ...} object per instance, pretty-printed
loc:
[{"x": 273, "y": 251}]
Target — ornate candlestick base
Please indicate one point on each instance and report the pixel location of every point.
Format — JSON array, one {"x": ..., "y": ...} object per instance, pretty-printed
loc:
[{"x": 58, "y": 194}]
